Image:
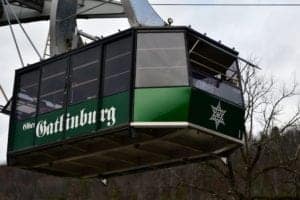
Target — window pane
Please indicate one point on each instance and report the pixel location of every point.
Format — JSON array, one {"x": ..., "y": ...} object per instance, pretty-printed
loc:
[
  {"x": 117, "y": 66},
  {"x": 85, "y": 69},
  {"x": 220, "y": 89},
  {"x": 214, "y": 71},
  {"x": 53, "y": 86},
  {"x": 27, "y": 95},
  {"x": 160, "y": 76},
  {"x": 161, "y": 60}
]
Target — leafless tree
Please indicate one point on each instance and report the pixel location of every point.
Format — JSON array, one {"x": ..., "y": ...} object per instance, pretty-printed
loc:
[{"x": 266, "y": 103}]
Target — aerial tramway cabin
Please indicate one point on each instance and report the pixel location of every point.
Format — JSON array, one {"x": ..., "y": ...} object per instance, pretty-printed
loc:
[{"x": 142, "y": 99}]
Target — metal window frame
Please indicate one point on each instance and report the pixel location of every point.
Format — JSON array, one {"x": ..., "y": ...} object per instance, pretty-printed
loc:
[
  {"x": 129, "y": 35},
  {"x": 65, "y": 89},
  {"x": 224, "y": 49},
  {"x": 70, "y": 74},
  {"x": 101, "y": 43},
  {"x": 16, "y": 95},
  {"x": 39, "y": 66},
  {"x": 162, "y": 30}
]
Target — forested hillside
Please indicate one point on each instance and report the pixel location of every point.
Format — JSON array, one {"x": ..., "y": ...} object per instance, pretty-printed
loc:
[{"x": 275, "y": 175}]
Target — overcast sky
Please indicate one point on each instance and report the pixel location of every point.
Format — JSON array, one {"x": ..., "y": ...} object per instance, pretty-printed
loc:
[{"x": 269, "y": 34}]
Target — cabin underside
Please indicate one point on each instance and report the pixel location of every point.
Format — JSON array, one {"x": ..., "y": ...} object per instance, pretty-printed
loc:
[{"x": 128, "y": 150}]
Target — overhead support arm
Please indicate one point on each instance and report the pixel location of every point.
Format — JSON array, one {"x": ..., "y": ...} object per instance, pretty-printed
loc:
[
  {"x": 3, "y": 93},
  {"x": 7, "y": 107},
  {"x": 63, "y": 26},
  {"x": 87, "y": 9},
  {"x": 32, "y": 4},
  {"x": 141, "y": 13},
  {"x": 63, "y": 29},
  {"x": 63, "y": 14}
]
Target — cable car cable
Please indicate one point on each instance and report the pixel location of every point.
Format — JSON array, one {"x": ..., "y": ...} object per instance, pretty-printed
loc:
[
  {"x": 157, "y": 4},
  {"x": 3, "y": 93},
  {"x": 23, "y": 29},
  {"x": 45, "y": 54},
  {"x": 13, "y": 33},
  {"x": 231, "y": 4},
  {"x": 83, "y": 11}
]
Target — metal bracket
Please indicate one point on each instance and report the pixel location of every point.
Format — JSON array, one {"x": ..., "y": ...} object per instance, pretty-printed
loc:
[
  {"x": 64, "y": 35},
  {"x": 62, "y": 26},
  {"x": 3, "y": 93},
  {"x": 141, "y": 13},
  {"x": 32, "y": 4},
  {"x": 7, "y": 107},
  {"x": 63, "y": 14}
]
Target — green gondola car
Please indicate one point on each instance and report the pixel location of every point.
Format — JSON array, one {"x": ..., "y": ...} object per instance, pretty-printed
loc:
[{"x": 141, "y": 99}]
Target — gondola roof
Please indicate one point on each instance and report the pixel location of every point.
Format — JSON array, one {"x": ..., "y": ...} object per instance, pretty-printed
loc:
[{"x": 226, "y": 52}]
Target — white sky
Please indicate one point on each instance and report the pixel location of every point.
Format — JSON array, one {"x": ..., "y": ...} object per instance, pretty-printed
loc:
[{"x": 269, "y": 34}]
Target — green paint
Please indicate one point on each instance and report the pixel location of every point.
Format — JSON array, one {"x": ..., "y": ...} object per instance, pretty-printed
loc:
[
  {"x": 88, "y": 117},
  {"x": 23, "y": 134},
  {"x": 190, "y": 105},
  {"x": 161, "y": 104},
  {"x": 122, "y": 105},
  {"x": 85, "y": 112},
  {"x": 201, "y": 113},
  {"x": 150, "y": 105},
  {"x": 49, "y": 134}
]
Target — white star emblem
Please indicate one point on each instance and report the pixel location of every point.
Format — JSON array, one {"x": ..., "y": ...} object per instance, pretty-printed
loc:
[{"x": 218, "y": 115}]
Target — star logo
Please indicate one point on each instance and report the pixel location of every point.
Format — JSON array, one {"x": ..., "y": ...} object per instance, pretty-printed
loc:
[{"x": 218, "y": 115}]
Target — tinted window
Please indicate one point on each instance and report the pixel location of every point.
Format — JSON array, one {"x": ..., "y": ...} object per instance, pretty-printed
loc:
[
  {"x": 117, "y": 66},
  {"x": 26, "y": 100},
  {"x": 214, "y": 70},
  {"x": 53, "y": 86},
  {"x": 161, "y": 60},
  {"x": 85, "y": 68}
]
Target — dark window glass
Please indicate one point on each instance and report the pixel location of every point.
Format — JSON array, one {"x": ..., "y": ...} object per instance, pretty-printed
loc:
[
  {"x": 26, "y": 99},
  {"x": 53, "y": 86},
  {"x": 117, "y": 66},
  {"x": 213, "y": 70},
  {"x": 161, "y": 60},
  {"x": 85, "y": 68}
]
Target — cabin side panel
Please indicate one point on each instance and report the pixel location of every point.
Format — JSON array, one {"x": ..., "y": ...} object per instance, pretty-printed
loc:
[
  {"x": 161, "y": 104},
  {"x": 215, "y": 114},
  {"x": 81, "y": 93},
  {"x": 115, "y": 110},
  {"x": 162, "y": 93},
  {"x": 24, "y": 110}
]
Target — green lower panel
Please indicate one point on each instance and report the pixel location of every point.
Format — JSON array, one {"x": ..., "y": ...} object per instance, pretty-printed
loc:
[
  {"x": 212, "y": 113},
  {"x": 115, "y": 110},
  {"x": 161, "y": 104},
  {"x": 86, "y": 118},
  {"x": 81, "y": 118},
  {"x": 23, "y": 134},
  {"x": 49, "y": 128}
]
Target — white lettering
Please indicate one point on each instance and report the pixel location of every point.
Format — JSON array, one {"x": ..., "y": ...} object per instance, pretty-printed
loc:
[
  {"x": 68, "y": 122},
  {"x": 40, "y": 130},
  {"x": 111, "y": 116},
  {"x": 108, "y": 116},
  {"x": 61, "y": 123},
  {"x": 83, "y": 118},
  {"x": 45, "y": 128},
  {"x": 28, "y": 126}
]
